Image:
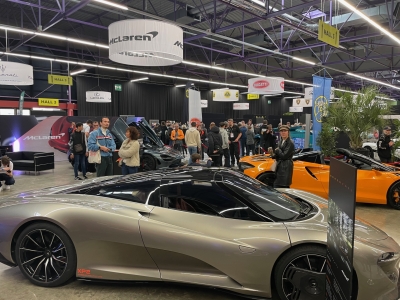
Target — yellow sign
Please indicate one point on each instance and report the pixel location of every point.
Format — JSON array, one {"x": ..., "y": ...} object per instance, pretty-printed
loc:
[
  {"x": 187, "y": 93},
  {"x": 227, "y": 94},
  {"x": 237, "y": 94},
  {"x": 48, "y": 102},
  {"x": 328, "y": 34},
  {"x": 59, "y": 79},
  {"x": 253, "y": 96}
]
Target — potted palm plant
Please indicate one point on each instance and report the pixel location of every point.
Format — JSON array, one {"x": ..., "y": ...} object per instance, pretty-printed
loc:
[{"x": 354, "y": 115}]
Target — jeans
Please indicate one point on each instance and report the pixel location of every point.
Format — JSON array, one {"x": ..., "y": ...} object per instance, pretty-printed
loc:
[
  {"x": 192, "y": 150},
  {"x": 105, "y": 168},
  {"x": 243, "y": 147},
  {"x": 126, "y": 170},
  {"x": 250, "y": 148},
  {"x": 79, "y": 159},
  {"x": 7, "y": 179},
  {"x": 234, "y": 152}
]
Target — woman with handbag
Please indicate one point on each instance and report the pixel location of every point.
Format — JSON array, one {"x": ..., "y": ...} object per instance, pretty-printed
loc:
[
  {"x": 283, "y": 155},
  {"x": 215, "y": 146},
  {"x": 129, "y": 152},
  {"x": 78, "y": 148}
]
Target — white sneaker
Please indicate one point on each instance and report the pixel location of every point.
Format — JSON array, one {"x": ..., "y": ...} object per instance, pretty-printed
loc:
[
  {"x": 89, "y": 173},
  {"x": 2, "y": 188},
  {"x": 7, "y": 187}
]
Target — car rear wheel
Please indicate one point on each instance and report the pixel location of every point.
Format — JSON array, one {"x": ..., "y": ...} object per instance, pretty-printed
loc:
[
  {"x": 267, "y": 178},
  {"x": 149, "y": 163},
  {"x": 302, "y": 268},
  {"x": 45, "y": 255},
  {"x": 393, "y": 196}
]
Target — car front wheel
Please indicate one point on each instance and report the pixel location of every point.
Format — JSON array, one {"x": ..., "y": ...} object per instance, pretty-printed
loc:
[
  {"x": 393, "y": 196},
  {"x": 45, "y": 255},
  {"x": 300, "y": 273}
]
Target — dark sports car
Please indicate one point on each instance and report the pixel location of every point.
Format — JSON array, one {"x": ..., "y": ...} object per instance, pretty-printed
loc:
[{"x": 212, "y": 227}]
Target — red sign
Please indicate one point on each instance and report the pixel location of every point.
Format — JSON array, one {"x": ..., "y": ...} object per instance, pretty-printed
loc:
[
  {"x": 283, "y": 84},
  {"x": 260, "y": 84}
]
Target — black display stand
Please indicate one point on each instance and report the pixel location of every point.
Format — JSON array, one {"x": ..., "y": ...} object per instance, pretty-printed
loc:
[{"x": 341, "y": 215}]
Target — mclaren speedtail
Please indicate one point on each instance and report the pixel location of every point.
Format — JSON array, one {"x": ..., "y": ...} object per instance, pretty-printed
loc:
[{"x": 212, "y": 227}]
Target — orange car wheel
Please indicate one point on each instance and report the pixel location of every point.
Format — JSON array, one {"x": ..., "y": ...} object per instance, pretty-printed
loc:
[
  {"x": 267, "y": 178},
  {"x": 393, "y": 196}
]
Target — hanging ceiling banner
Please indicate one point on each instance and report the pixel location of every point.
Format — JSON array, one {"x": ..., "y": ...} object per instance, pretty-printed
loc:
[
  {"x": 308, "y": 91},
  {"x": 328, "y": 34},
  {"x": 98, "y": 96},
  {"x": 143, "y": 42},
  {"x": 266, "y": 85},
  {"x": 225, "y": 95},
  {"x": 204, "y": 103},
  {"x": 241, "y": 106},
  {"x": 12, "y": 73},
  {"x": 253, "y": 96},
  {"x": 59, "y": 79},
  {"x": 302, "y": 102}
]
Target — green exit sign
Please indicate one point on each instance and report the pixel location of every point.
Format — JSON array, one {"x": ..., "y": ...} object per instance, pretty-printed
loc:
[
  {"x": 269, "y": 101},
  {"x": 118, "y": 87}
]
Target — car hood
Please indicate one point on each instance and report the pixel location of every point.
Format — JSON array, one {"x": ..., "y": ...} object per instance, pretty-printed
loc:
[{"x": 364, "y": 231}]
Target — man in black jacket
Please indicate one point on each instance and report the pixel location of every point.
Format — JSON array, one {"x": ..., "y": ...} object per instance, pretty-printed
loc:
[
  {"x": 234, "y": 134},
  {"x": 78, "y": 148},
  {"x": 384, "y": 145},
  {"x": 215, "y": 145}
]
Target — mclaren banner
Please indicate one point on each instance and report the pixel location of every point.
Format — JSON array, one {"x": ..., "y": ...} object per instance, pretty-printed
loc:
[
  {"x": 195, "y": 114},
  {"x": 321, "y": 96}
]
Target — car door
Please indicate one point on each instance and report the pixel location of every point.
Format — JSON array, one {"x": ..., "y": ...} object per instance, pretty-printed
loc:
[{"x": 200, "y": 233}]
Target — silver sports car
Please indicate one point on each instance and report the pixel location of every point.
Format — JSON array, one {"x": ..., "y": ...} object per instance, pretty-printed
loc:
[{"x": 212, "y": 227}]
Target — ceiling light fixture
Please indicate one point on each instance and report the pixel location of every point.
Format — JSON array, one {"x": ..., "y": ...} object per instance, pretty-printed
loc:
[
  {"x": 180, "y": 85},
  {"x": 77, "y": 72},
  {"x": 304, "y": 60},
  {"x": 112, "y": 4},
  {"x": 373, "y": 80},
  {"x": 369, "y": 20},
  {"x": 140, "y": 79},
  {"x": 294, "y": 93}
]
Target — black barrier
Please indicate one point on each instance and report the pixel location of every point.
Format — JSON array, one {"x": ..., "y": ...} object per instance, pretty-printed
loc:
[{"x": 341, "y": 205}]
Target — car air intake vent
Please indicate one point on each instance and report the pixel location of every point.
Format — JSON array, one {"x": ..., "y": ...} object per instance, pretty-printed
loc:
[{"x": 166, "y": 157}]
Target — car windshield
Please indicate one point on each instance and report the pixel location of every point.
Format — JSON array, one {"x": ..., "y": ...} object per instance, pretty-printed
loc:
[{"x": 278, "y": 205}]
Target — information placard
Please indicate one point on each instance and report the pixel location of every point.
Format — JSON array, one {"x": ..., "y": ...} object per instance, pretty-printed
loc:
[{"x": 341, "y": 205}]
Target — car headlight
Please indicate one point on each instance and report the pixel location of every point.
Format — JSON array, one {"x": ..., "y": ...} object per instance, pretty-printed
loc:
[
  {"x": 243, "y": 166},
  {"x": 388, "y": 257}
]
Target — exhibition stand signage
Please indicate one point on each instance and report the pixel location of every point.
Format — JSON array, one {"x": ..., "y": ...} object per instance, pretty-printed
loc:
[
  {"x": 204, "y": 103},
  {"x": 241, "y": 106},
  {"x": 253, "y": 96},
  {"x": 98, "y": 96},
  {"x": 296, "y": 109},
  {"x": 21, "y": 103},
  {"x": 266, "y": 85},
  {"x": 59, "y": 79},
  {"x": 143, "y": 42},
  {"x": 225, "y": 95},
  {"x": 303, "y": 102},
  {"x": 48, "y": 102},
  {"x": 195, "y": 114},
  {"x": 12, "y": 73},
  {"x": 320, "y": 102},
  {"x": 341, "y": 215}
]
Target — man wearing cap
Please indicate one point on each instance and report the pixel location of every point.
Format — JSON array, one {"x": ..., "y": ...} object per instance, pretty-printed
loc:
[
  {"x": 384, "y": 145},
  {"x": 283, "y": 155}
]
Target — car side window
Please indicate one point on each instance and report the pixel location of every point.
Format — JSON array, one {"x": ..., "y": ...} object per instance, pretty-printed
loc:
[
  {"x": 145, "y": 192},
  {"x": 206, "y": 197}
]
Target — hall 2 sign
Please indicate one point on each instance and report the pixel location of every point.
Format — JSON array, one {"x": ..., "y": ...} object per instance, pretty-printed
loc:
[{"x": 48, "y": 102}]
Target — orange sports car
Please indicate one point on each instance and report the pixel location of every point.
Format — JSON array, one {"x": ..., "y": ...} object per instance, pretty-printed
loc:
[{"x": 376, "y": 182}]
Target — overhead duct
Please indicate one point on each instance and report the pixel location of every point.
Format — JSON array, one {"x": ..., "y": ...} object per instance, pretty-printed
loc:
[
  {"x": 257, "y": 40},
  {"x": 189, "y": 13},
  {"x": 247, "y": 5}
]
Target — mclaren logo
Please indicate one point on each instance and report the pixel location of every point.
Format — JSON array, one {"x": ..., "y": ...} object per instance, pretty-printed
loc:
[
  {"x": 44, "y": 137},
  {"x": 125, "y": 38},
  {"x": 179, "y": 44}
]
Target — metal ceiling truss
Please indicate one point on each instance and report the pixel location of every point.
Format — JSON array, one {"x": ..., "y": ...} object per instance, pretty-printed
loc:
[{"x": 285, "y": 27}]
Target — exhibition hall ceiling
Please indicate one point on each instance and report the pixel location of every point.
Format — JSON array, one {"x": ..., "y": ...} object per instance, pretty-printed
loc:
[{"x": 278, "y": 38}]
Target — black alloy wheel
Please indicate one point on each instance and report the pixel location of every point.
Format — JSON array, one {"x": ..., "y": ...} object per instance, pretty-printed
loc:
[
  {"x": 300, "y": 274},
  {"x": 45, "y": 255},
  {"x": 393, "y": 196},
  {"x": 149, "y": 163}
]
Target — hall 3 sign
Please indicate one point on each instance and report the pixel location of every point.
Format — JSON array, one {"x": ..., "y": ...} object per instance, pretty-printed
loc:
[{"x": 48, "y": 102}]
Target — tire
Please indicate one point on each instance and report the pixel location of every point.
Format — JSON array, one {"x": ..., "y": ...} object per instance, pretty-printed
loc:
[
  {"x": 393, "y": 196},
  {"x": 267, "y": 178},
  {"x": 51, "y": 260},
  {"x": 149, "y": 163},
  {"x": 301, "y": 257}
]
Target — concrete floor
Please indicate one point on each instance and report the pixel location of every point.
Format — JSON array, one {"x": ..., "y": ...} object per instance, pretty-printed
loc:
[{"x": 13, "y": 284}]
